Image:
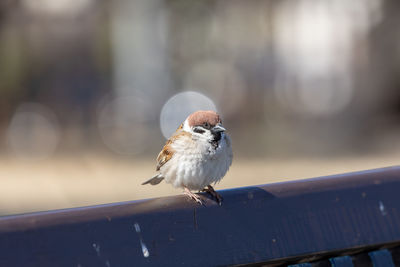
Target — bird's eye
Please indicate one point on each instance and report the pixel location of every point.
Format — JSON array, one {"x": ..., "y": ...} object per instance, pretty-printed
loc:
[{"x": 206, "y": 125}]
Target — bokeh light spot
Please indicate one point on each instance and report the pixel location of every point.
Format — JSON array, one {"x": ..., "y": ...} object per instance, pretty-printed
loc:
[
  {"x": 33, "y": 132},
  {"x": 59, "y": 7},
  {"x": 181, "y": 105}
]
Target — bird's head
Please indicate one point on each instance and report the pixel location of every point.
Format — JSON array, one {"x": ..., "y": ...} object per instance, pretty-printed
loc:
[{"x": 204, "y": 124}]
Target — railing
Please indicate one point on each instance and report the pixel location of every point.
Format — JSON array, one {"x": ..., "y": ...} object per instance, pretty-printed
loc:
[{"x": 343, "y": 219}]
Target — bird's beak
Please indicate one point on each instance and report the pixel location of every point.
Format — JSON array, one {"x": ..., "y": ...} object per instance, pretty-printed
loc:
[{"x": 218, "y": 128}]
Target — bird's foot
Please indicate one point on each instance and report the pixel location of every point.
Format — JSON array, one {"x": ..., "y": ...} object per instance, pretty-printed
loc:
[
  {"x": 213, "y": 193},
  {"x": 192, "y": 195}
]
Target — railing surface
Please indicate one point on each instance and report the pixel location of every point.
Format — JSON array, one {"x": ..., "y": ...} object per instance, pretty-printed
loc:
[{"x": 282, "y": 223}]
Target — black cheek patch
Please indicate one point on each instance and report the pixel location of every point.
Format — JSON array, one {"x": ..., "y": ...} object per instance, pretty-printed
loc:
[{"x": 217, "y": 136}]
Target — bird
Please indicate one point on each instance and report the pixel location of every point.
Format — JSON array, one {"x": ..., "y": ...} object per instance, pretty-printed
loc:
[{"x": 196, "y": 156}]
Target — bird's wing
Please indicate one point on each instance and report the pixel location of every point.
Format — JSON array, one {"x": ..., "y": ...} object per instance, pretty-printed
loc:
[
  {"x": 167, "y": 152},
  {"x": 165, "y": 155}
]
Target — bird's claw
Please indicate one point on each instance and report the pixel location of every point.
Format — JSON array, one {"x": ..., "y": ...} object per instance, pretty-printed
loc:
[
  {"x": 192, "y": 196},
  {"x": 213, "y": 193}
]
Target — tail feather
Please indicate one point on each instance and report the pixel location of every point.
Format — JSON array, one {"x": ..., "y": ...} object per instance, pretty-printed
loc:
[{"x": 154, "y": 180}]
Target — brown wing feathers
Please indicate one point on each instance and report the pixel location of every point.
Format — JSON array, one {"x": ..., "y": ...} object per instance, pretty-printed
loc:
[
  {"x": 165, "y": 155},
  {"x": 167, "y": 152}
]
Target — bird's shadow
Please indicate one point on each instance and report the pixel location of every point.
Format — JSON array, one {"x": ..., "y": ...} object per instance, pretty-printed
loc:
[{"x": 230, "y": 197}]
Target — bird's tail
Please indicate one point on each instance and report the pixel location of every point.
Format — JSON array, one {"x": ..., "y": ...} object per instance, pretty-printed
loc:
[{"x": 154, "y": 180}]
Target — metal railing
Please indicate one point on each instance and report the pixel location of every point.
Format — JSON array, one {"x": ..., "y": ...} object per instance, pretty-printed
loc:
[{"x": 313, "y": 220}]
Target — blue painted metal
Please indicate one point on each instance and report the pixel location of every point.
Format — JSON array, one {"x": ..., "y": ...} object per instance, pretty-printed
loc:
[
  {"x": 278, "y": 222},
  {"x": 381, "y": 258},
  {"x": 343, "y": 261}
]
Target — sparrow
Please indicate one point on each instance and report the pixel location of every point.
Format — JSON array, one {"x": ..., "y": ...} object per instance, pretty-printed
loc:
[{"x": 197, "y": 155}]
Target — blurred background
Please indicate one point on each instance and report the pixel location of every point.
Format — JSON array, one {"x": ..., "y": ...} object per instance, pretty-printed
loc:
[{"x": 89, "y": 90}]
